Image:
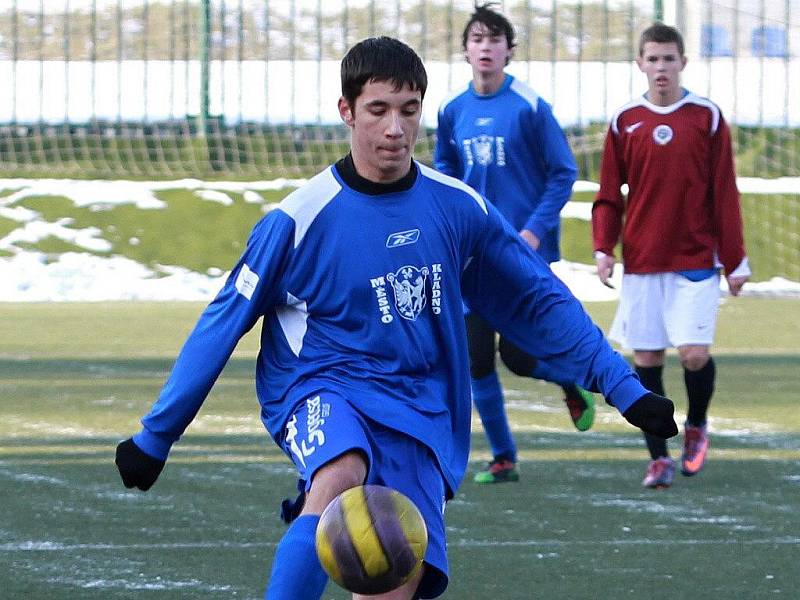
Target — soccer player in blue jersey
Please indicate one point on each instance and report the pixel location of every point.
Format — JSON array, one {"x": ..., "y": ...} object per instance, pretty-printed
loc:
[
  {"x": 497, "y": 135},
  {"x": 363, "y": 376}
]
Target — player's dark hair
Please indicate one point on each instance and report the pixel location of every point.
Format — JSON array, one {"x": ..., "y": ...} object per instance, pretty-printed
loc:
[
  {"x": 381, "y": 59},
  {"x": 496, "y": 23},
  {"x": 661, "y": 34}
]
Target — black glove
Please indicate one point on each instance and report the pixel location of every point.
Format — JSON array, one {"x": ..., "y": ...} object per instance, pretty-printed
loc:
[
  {"x": 653, "y": 414},
  {"x": 136, "y": 468}
]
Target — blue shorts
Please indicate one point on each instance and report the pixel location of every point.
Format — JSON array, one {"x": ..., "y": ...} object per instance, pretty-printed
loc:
[{"x": 325, "y": 426}]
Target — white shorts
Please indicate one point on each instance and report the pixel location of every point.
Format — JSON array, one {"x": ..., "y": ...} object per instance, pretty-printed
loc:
[{"x": 660, "y": 310}]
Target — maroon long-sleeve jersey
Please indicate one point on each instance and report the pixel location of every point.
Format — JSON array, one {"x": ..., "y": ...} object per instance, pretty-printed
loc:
[{"x": 682, "y": 210}]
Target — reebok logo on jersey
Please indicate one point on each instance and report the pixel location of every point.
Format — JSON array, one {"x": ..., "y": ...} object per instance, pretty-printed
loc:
[
  {"x": 634, "y": 127},
  {"x": 246, "y": 282},
  {"x": 402, "y": 238}
]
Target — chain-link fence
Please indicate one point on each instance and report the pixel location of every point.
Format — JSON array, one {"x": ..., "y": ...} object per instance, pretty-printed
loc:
[{"x": 248, "y": 88}]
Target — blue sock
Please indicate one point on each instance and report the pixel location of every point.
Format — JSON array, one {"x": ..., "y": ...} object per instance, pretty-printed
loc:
[
  {"x": 488, "y": 397},
  {"x": 296, "y": 571}
]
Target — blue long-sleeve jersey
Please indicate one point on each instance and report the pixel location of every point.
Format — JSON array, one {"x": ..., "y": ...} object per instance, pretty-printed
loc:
[
  {"x": 509, "y": 147},
  {"x": 362, "y": 295}
]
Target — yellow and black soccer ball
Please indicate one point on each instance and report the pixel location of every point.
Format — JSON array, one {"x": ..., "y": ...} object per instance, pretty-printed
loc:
[{"x": 371, "y": 539}]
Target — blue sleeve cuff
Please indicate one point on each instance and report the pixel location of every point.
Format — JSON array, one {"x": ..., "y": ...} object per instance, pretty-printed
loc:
[
  {"x": 536, "y": 229},
  {"x": 626, "y": 393},
  {"x": 151, "y": 444}
]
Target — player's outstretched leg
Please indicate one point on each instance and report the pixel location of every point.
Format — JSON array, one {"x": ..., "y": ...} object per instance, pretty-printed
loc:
[{"x": 580, "y": 403}]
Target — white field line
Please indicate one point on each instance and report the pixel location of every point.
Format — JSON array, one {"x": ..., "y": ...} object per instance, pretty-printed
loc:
[
  {"x": 31, "y": 546},
  {"x": 154, "y": 584}
]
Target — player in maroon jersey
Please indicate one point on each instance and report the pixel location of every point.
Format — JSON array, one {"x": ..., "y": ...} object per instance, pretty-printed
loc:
[{"x": 680, "y": 225}]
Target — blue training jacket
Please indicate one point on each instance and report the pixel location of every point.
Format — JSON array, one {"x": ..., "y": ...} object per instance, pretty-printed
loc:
[
  {"x": 510, "y": 148},
  {"x": 362, "y": 295}
]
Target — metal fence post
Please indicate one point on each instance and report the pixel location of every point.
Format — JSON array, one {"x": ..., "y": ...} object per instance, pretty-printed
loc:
[{"x": 205, "y": 42}]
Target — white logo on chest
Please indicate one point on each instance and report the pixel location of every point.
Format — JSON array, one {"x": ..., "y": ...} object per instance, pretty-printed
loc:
[
  {"x": 485, "y": 150},
  {"x": 411, "y": 292},
  {"x": 402, "y": 238},
  {"x": 408, "y": 284},
  {"x": 662, "y": 135},
  {"x": 634, "y": 127}
]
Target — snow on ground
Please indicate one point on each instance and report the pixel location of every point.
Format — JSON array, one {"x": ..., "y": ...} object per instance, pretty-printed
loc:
[
  {"x": 100, "y": 194},
  {"x": 77, "y": 277},
  {"x": 82, "y": 276}
]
